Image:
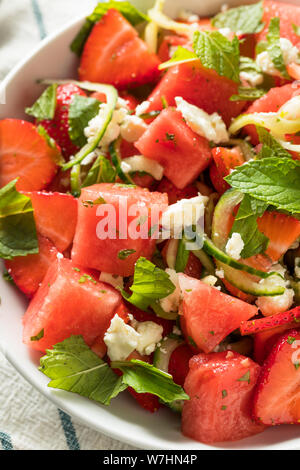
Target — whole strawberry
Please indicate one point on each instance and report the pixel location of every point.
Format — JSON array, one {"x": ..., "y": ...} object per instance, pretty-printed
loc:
[{"x": 58, "y": 128}]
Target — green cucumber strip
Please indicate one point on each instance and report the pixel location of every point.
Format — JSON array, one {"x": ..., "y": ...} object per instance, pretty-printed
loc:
[
  {"x": 206, "y": 261},
  {"x": 75, "y": 181},
  {"x": 112, "y": 98},
  {"x": 211, "y": 249},
  {"x": 116, "y": 160},
  {"x": 182, "y": 257},
  {"x": 163, "y": 353}
]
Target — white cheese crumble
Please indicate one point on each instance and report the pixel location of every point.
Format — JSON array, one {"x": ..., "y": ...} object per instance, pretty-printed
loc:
[
  {"x": 254, "y": 78},
  {"x": 278, "y": 303},
  {"x": 142, "y": 108},
  {"x": 113, "y": 129},
  {"x": 112, "y": 279},
  {"x": 171, "y": 302},
  {"x": 210, "y": 280},
  {"x": 141, "y": 163},
  {"x": 235, "y": 246},
  {"x": 184, "y": 213},
  {"x": 122, "y": 339},
  {"x": 220, "y": 273},
  {"x": 290, "y": 54},
  {"x": 210, "y": 126},
  {"x": 132, "y": 128}
]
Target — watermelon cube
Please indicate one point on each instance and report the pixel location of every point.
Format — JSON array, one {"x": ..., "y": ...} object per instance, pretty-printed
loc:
[
  {"x": 112, "y": 235},
  {"x": 69, "y": 302},
  {"x": 170, "y": 141}
]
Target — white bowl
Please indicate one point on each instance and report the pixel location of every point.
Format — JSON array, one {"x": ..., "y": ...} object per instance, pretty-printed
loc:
[{"x": 123, "y": 420}]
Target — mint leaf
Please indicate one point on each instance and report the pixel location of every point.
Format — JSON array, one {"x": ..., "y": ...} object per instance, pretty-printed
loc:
[
  {"x": 132, "y": 14},
  {"x": 245, "y": 19},
  {"x": 124, "y": 254},
  {"x": 81, "y": 111},
  {"x": 44, "y": 107},
  {"x": 248, "y": 94},
  {"x": 150, "y": 283},
  {"x": 270, "y": 148},
  {"x": 274, "y": 49},
  {"x": 275, "y": 181},
  {"x": 145, "y": 378},
  {"x": 216, "y": 52},
  {"x": 17, "y": 226},
  {"x": 102, "y": 171},
  {"x": 296, "y": 29},
  {"x": 73, "y": 366},
  {"x": 245, "y": 224}
]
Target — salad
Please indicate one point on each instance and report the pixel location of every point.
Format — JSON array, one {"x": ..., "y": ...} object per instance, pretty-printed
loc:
[{"x": 149, "y": 210}]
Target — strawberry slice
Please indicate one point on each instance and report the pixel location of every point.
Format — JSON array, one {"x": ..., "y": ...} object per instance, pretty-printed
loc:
[
  {"x": 264, "y": 342},
  {"x": 29, "y": 271},
  {"x": 290, "y": 318},
  {"x": 277, "y": 394},
  {"x": 115, "y": 54},
  {"x": 220, "y": 386},
  {"x": 282, "y": 231},
  {"x": 55, "y": 217},
  {"x": 27, "y": 155},
  {"x": 179, "y": 363},
  {"x": 224, "y": 160},
  {"x": 58, "y": 128}
]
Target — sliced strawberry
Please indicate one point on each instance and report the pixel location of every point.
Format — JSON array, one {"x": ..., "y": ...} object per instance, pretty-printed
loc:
[
  {"x": 265, "y": 341},
  {"x": 146, "y": 400},
  {"x": 282, "y": 231},
  {"x": 179, "y": 363},
  {"x": 27, "y": 155},
  {"x": 220, "y": 386},
  {"x": 277, "y": 394},
  {"x": 55, "y": 216},
  {"x": 224, "y": 160},
  {"x": 29, "y": 271},
  {"x": 290, "y": 318},
  {"x": 58, "y": 128},
  {"x": 115, "y": 54},
  {"x": 175, "y": 194}
]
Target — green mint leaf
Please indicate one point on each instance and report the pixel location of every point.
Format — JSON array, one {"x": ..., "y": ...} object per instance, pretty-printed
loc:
[
  {"x": 182, "y": 257},
  {"x": 245, "y": 19},
  {"x": 296, "y": 29},
  {"x": 44, "y": 107},
  {"x": 275, "y": 181},
  {"x": 245, "y": 378},
  {"x": 73, "y": 366},
  {"x": 145, "y": 378},
  {"x": 274, "y": 49},
  {"x": 124, "y": 254},
  {"x": 245, "y": 224},
  {"x": 270, "y": 148},
  {"x": 81, "y": 111},
  {"x": 17, "y": 226},
  {"x": 150, "y": 283},
  {"x": 102, "y": 171},
  {"x": 180, "y": 56},
  {"x": 248, "y": 94},
  {"x": 216, "y": 52},
  {"x": 132, "y": 14}
]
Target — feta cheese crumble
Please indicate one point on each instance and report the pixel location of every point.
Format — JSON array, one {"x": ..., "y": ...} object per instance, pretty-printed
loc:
[
  {"x": 290, "y": 54},
  {"x": 254, "y": 78},
  {"x": 122, "y": 339},
  {"x": 141, "y": 163},
  {"x": 234, "y": 246},
  {"x": 277, "y": 303},
  {"x": 184, "y": 213},
  {"x": 112, "y": 279},
  {"x": 171, "y": 302},
  {"x": 132, "y": 128},
  {"x": 210, "y": 126},
  {"x": 142, "y": 108}
]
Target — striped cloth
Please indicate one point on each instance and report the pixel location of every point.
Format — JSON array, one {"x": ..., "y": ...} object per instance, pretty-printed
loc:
[{"x": 27, "y": 420}]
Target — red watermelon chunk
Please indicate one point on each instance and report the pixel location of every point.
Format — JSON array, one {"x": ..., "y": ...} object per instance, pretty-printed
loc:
[
  {"x": 55, "y": 217},
  {"x": 199, "y": 86},
  {"x": 210, "y": 315},
  {"x": 271, "y": 103},
  {"x": 170, "y": 141},
  {"x": 69, "y": 302},
  {"x": 288, "y": 14},
  {"x": 220, "y": 386},
  {"x": 115, "y": 54},
  {"x": 29, "y": 271},
  {"x": 106, "y": 254}
]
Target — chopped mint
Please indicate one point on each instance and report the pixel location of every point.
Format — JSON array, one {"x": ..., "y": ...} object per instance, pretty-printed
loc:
[
  {"x": 245, "y": 19},
  {"x": 44, "y": 107},
  {"x": 82, "y": 110}
]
